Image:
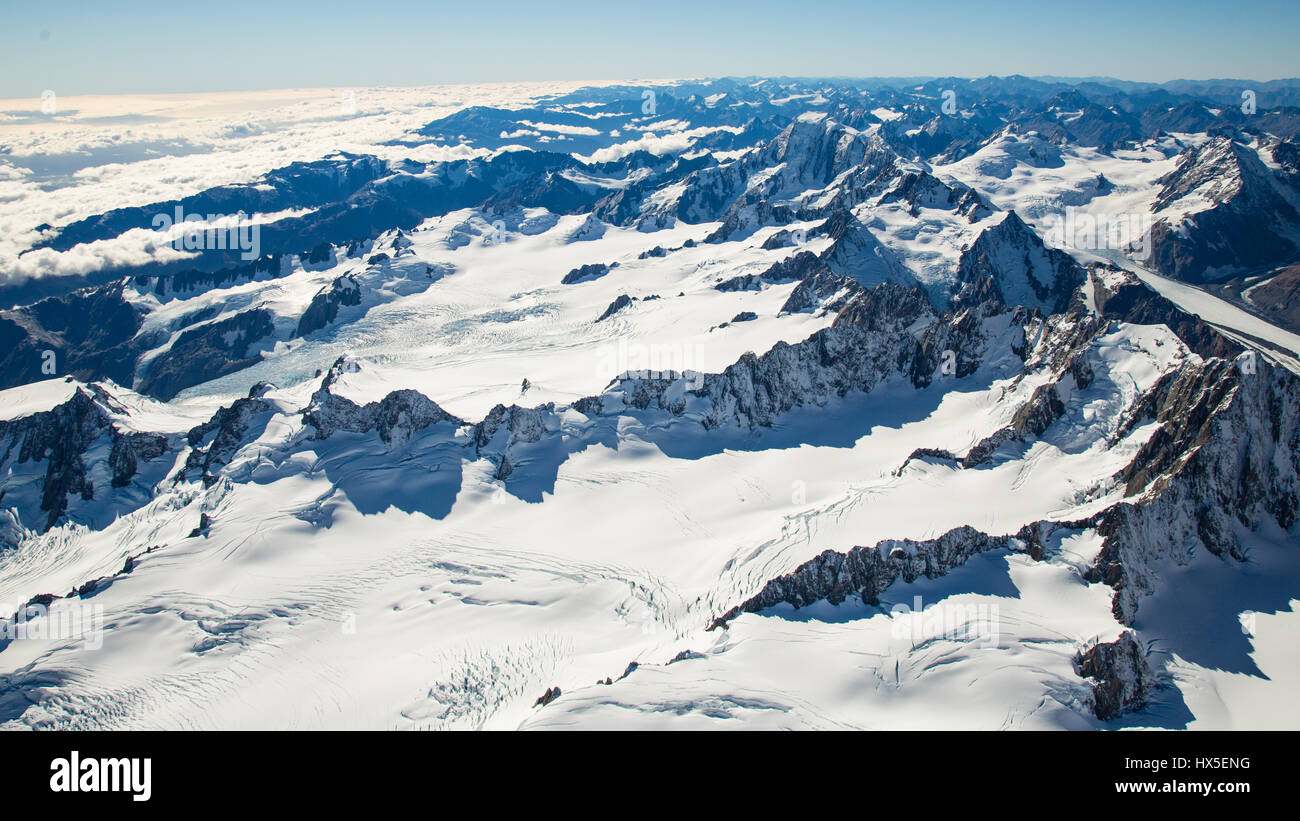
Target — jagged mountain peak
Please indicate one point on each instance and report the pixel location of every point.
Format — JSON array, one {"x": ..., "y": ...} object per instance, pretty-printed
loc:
[
  {"x": 1216, "y": 170},
  {"x": 1010, "y": 262},
  {"x": 615, "y": 380}
]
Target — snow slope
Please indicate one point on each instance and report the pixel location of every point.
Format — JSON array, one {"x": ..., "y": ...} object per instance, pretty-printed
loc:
[{"x": 500, "y": 449}]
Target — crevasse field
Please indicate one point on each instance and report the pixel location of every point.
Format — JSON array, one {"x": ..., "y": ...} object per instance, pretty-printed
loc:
[{"x": 413, "y": 582}]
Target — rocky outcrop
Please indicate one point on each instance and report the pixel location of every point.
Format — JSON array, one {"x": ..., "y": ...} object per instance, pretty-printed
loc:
[
  {"x": 58, "y": 437},
  {"x": 224, "y": 434},
  {"x": 871, "y": 339},
  {"x": 617, "y": 305},
  {"x": 207, "y": 352},
  {"x": 1121, "y": 674},
  {"x": 396, "y": 417},
  {"x": 129, "y": 450},
  {"x": 921, "y": 189},
  {"x": 1010, "y": 264},
  {"x": 518, "y": 425},
  {"x": 799, "y": 266},
  {"x": 61, "y": 438},
  {"x": 324, "y": 307},
  {"x": 821, "y": 291},
  {"x": 1121, "y": 295},
  {"x": 587, "y": 273},
  {"x": 1032, "y": 419},
  {"x": 1226, "y": 456},
  {"x": 1249, "y": 221},
  {"x": 551, "y": 694},
  {"x": 54, "y": 336},
  {"x": 866, "y": 572},
  {"x": 808, "y": 155}
]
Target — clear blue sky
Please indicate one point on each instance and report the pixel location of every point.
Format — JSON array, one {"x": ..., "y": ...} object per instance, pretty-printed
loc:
[{"x": 122, "y": 47}]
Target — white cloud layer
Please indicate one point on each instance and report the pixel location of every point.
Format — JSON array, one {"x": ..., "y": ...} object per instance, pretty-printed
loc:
[
  {"x": 673, "y": 142},
  {"x": 101, "y": 153}
]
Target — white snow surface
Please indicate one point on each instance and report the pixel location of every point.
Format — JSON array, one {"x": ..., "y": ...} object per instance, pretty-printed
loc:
[{"x": 349, "y": 583}]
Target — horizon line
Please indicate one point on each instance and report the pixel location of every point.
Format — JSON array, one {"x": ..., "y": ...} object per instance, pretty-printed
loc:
[{"x": 923, "y": 78}]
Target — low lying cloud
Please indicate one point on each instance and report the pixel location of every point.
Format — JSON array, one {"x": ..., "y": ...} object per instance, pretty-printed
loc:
[
  {"x": 136, "y": 150},
  {"x": 673, "y": 142},
  {"x": 576, "y": 130},
  {"x": 133, "y": 248}
]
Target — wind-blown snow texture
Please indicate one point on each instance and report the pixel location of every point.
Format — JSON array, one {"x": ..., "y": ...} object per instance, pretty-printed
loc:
[{"x": 733, "y": 404}]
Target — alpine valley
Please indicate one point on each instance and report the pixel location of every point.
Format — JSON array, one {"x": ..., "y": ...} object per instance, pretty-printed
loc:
[{"x": 744, "y": 403}]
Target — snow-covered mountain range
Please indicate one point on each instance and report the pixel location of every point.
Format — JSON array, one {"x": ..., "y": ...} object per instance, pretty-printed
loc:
[{"x": 736, "y": 403}]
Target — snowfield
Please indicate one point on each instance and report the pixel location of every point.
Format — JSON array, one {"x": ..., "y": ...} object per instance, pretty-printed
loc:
[{"x": 638, "y": 427}]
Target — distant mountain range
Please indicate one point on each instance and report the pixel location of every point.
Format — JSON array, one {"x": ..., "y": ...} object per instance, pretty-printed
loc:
[{"x": 759, "y": 402}]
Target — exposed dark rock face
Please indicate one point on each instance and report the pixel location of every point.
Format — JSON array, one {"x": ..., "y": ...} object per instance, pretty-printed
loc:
[
  {"x": 324, "y": 307},
  {"x": 921, "y": 189},
  {"x": 797, "y": 267},
  {"x": 821, "y": 291},
  {"x": 551, "y": 694},
  {"x": 1042, "y": 409},
  {"x": 852, "y": 264},
  {"x": 1280, "y": 297},
  {"x": 587, "y": 273},
  {"x": 204, "y": 527},
  {"x": 207, "y": 352},
  {"x": 870, "y": 340},
  {"x": 1183, "y": 402},
  {"x": 1228, "y": 447},
  {"x": 1010, "y": 264},
  {"x": 181, "y": 284},
  {"x": 523, "y": 424},
  {"x": 1035, "y": 416},
  {"x": 620, "y": 207},
  {"x": 230, "y": 426},
  {"x": 129, "y": 450},
  {"x": 811, "y": 154},
  {"x": 779, "y": 239},
  {"x": 321, "y": 256},
  {"x": 1123, "y": 677},
  {"x": 396, "y": 417},
  {"x": 617, "y": 305},
  {"x": 59, "y": 436},
  {"x": 1062, "y": 348},
  {"x": 103, "y": 348},
  {"x": 866, "y": 572},
  {"x": 745, "y": 216},
  {"x": 63, "y": 435},
  {"x": 1128, "y": 300},
  {"x": 1250, "y": 224},
  {"x": 1274, "y": 296}
]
